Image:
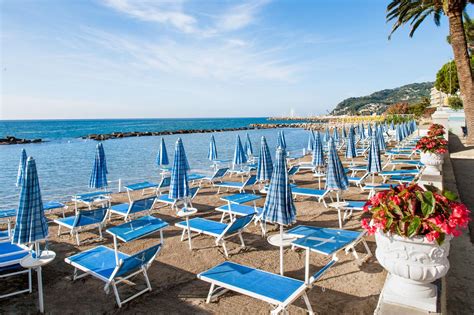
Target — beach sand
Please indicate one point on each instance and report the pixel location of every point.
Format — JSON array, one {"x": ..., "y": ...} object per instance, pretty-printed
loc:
[{"x": 345, "y": 289}]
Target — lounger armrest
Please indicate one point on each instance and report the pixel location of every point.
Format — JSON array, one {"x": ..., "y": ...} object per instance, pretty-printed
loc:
[{"x": 321, "y": 271}]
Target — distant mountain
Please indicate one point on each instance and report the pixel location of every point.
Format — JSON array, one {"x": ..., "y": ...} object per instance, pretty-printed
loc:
[{"x": 378, "y": 102}]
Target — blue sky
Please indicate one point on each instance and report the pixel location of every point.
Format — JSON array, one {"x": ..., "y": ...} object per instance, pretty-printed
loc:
[{"x": 148, "y": 58}]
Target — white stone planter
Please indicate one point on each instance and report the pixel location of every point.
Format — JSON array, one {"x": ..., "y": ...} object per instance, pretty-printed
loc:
[
  {"x": 432, "y": 161},
  {"x": 412, "y": 263}
]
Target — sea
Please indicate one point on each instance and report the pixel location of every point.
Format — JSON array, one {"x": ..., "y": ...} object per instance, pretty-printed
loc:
[{"x": 64, "y": 161}]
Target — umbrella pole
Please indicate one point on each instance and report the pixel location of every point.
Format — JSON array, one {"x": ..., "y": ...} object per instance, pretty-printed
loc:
[{"x": 281, "y": 250}]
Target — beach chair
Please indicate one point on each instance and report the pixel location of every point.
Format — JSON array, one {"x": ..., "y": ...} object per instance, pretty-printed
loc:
[
  {"x": 372, "y": 188},
  {"x": 126, "y": 210},
  {"x": 348, "y": 206},
  {"x": 100, "y": 262},
  {"x": 394, "y": 163},
  {"x": 164, "y": 185},
  {"x": 292, "y": 171},
  {"x": 279, "y": 291},
  {"x": 172, "y": 202},
  {"x": 240, "y": 186},
  {"x": 219, "y": 230},
  {"x": 358, "y": 181},
  {"x": 10, "y": 256},
  {"x": 83, "y": 219},
  {"x": 319, "y": 194},
  {"x": 217, "y": 176}
]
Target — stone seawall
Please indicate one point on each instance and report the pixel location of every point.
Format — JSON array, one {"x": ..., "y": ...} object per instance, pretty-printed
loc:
[{"x": 13, "y": 140}]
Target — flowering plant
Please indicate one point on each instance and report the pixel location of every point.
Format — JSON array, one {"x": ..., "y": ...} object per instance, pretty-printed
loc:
[
  {"x": 436, "y": 130},
  {"x": 409, "y": 210},
  {"x": 434, "y": 142}
]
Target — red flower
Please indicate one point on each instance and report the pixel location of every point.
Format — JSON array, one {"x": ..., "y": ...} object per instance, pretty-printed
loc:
[{"x": 433, "y": 235}]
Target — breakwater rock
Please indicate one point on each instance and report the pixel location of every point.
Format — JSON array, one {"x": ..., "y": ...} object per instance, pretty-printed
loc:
[
  {"x": 118, "y": 135},
  {"x": 14, "y": 140}
]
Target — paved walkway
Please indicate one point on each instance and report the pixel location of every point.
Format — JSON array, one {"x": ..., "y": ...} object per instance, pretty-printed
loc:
[{"x": 459, "y": 177}]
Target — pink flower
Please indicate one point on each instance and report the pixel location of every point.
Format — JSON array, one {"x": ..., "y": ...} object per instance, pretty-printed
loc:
[
  {"x": 433, "y": 235},
  {"x": 367, "y": 226},
  {"x": 396, "y": 200}
]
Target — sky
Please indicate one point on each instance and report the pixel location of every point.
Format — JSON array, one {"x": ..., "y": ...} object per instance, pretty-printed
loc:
[{"x": 220, "y": 58}]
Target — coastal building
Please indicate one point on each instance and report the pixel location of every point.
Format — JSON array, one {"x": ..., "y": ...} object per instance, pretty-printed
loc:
[{"x": 438, "y": 98}]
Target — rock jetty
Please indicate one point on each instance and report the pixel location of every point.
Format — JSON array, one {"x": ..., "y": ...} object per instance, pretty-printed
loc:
[
  {"x": 14, "y": 140},
  {"x": 117, "y": 135}
]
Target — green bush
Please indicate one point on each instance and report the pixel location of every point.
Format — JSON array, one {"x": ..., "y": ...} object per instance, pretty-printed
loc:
[{"x": 455, "y": 102}]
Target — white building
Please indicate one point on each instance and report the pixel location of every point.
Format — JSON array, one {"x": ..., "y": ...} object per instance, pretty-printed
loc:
[{"x": 438, "y": 98}]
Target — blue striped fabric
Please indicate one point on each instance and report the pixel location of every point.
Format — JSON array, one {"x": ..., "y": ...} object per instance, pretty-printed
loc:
[
  {"x": 398, "y": 133},
  {"x": 310, "y": 141},
  {"x": 31, "y": 224},
  {"x": 265, "y": 165},
  {"x": 248, "y": 147},
  {"x": 179, "y": 186},
  {"x": 335, "y": 134},
  {"x": 361, "y": 131},
  {"x": 21, "y": 168},
  {"x": 212, "y": 154},
  {"x": 351, "y": 151},
  {"x": 344, "y": 133},
  {"x": 279, "y": 207},
  {"x": 392, "y": 127},
  {"x": 162, "y": 156},
  {"x": 281, "y": 141},
  {"x": 369, "y": 130},
  {"x": 381, "y": 139},
  {"x": 239, "y": 153},
  {"x": 318, "y": 152},
  {"x": 326, "y": 135},
  {"x": 336, "y": 178},
  {"x": 98, "y": 177},
  {"x": 374, "y": 164}
]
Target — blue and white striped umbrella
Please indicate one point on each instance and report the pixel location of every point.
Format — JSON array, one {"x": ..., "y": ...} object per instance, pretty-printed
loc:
[
  {"x": 31, "y": 225},
  {"x": 248, "y": 147},
  {"x": 162, "y": 156},
  {"x": 336, "y": 178},
  {"x": 265, "y": 164},
  {"x": 344, "y": 133},
  {"x": 406, "y": 130},
  {"x": 179, "y": 186},
  {"x": 279, "y": 206},
  {"x": 381, "y": 139},
  {"x": 212, "y": 154},
  {"x": 318, "y": 152},
  {"x": 335, "y": 134},
  {"x": 374, "y": 164},
  {"x": 361, "y": 131},
  {"x": 281, "y": 141},
  {"x": 392, "y": 127},
  {"x": 21, "y": 168},
  {"x": 369, "y": 130},
  {"x": 239, "y": 153},
  {"x": 326, "y": 135},
  {"x": 98, "y": 177},
  {"x": 398, "y": 133},
  {"x": 310, "y": 146},
  {"x": 351, "y": 151}
]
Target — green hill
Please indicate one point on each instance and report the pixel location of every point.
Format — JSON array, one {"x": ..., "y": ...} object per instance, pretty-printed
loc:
[{"x": 378, "y": 102}]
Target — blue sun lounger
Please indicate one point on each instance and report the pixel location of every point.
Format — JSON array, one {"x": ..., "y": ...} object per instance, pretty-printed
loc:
[
  {"x": 83, "y": 219},
  {"x": 217, "y": 176},
  {"x": 348, "y": 206},
  {"x": 372, "y": 188},
  {"x": 126, "y": 210},
  {"x": 172, "y": 202},
  {"x": 240, "y": 186},
  {"x": 319, "y": 194},
  {"x": 279, "y": 291},
  {"x": 219, "y": 230},
  {"x": 10, "y": 256},
  {"x": 100, "y": 262}
]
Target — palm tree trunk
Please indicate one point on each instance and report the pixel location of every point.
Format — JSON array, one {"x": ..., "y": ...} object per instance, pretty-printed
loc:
[{"x": 461, "y": 57}]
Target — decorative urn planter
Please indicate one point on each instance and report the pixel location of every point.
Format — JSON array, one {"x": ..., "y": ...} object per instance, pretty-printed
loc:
[
  {"x": 432, "y": 161},
  {"x": 412, "y": 263}
]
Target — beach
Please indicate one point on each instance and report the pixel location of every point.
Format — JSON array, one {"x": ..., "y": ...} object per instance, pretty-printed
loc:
[{"x": 345, "y": 288}]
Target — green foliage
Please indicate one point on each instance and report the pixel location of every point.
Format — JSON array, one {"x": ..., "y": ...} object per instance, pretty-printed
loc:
[
  {"x": 418, "y": 109},
  {"x": 397, "y": 119},
  {"x": 403, "y": 112},
  {"x": 447, "y": 77},
  {"x": 455, "y": 102}
]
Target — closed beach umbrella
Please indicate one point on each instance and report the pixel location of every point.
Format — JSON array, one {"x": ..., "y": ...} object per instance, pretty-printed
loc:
[
  {"x": 21, "y": 168},
  {"x": 265, "y": 165},
  {"x": 98, "y": 177},
  {"x": 335, "y": 135},
  {"x": 179, "y": 187},
  {"x": 279, "y": 207},
  {"x": 392, "y": 127},
  {"x": 326, "y": 135},
  {"x": 336, "y": 178},
  {"x": 318, "y": 152},
  {"x": 344, "y": 133},
  {"x": 239, "y": 154},
  {"x": 369, "y": 130},
  {"x": 248, "y": 147},
  {"x": 212, "y": 154},
  {"x": 310, "y": 141},
  {"x": 399, "y": 135},
  {"x": 162, "y": 156},
  {"x": 381, "y": 139},
  {"x": 361, "y": 131},
  {"x": 374, "y": 164},
  {"x": 281, "y": 141},
  {"x": 31, "y": 225},
  {"x": 351, "y": 151}
]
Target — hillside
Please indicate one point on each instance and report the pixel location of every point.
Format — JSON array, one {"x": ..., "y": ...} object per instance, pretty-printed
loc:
[{"x": 378, "y": 102}]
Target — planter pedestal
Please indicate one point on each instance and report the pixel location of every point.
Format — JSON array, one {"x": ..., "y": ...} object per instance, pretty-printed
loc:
[{"x": 433, "y": 163}]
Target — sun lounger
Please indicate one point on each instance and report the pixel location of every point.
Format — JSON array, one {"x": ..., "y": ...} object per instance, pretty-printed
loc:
[
  {"x": 292, "y": 171},
  {"x": 358, "y": 181},
  {"x": 277, "y": 290},
  {"x": 348, "y": 206},
  {"x": 83, "y": 219},
  {"x": 372, "y": 188},
  {"x": 143, "y": 186},
  {"x": 128, "y": 209},
  {"x": 319, "y": 194},
  {"x": 164, "y": 185},
  {"x": 91, "y": 198},
  {"x": 240, "y": 186},
  {"x": 172, "y": 202},
  {"x": 10, "y": 256},
  {"x": 217, "y": 176},
  {"x": 100, "y": 262},
  {"x": 219, "y": 230},
  {"x": 394, "y": 163}
]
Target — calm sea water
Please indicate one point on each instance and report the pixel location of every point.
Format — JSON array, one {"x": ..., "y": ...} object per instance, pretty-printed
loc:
[{"x": 64, "y": 162}]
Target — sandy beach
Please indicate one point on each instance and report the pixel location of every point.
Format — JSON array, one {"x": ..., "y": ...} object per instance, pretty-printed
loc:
[{"x": 345, "y": 288}]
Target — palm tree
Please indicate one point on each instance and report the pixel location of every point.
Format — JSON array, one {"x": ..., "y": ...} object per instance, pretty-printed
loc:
[{"x": 415, "y": 12}]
